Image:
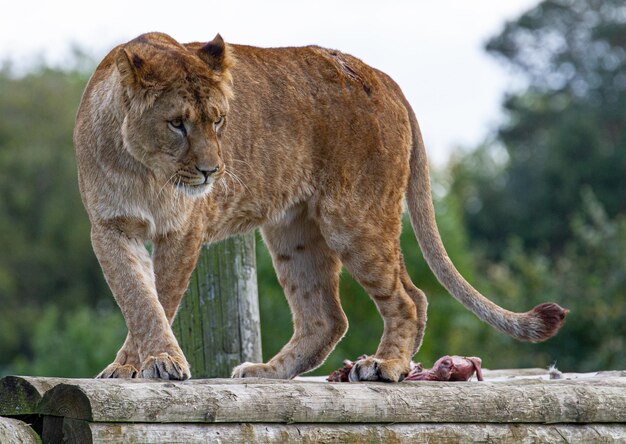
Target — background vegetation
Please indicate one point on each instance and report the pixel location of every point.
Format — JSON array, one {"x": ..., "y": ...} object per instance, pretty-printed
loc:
[{"x": 536, "y": 213}]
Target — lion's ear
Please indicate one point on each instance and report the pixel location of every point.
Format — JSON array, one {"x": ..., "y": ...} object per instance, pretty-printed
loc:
[
  {"x": 214, "y": 54},
  {"x": 133, "y": 69}
]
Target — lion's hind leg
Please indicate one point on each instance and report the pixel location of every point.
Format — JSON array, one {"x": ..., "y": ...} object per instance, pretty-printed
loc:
[
  {"x": 369, "y": 247},
  {"x": 308, "y": 271},
  {"x": 421, "y": 305}
]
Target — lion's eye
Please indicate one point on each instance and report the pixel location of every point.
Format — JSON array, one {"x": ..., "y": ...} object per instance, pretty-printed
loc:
[
  {"x": 178, "y": 125},
  {"x": 218, "y": 122}
]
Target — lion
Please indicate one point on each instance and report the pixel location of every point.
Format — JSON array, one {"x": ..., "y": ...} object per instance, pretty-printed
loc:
[{"x": 182, "y": 144}]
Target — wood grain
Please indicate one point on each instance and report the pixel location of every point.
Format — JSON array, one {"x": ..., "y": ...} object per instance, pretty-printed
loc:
[
  {"x": 524, "y": 401},
  {"x": 20, "y": 395},
  {"x": 83, "y": 432},
  {"x": 13, "y": 431}
]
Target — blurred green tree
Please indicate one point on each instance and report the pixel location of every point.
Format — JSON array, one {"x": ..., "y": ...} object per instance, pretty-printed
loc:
[
  {"x": 589, "y": 277},
  {"x": 564, "y": 131},
  {"x": 544, "y": 201},
  {"x": 46, "y": 257},
  {"x": 64, "y": 342}
]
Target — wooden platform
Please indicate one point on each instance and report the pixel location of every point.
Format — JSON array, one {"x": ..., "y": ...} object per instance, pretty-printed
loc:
[{"x": 509, "y": 406}]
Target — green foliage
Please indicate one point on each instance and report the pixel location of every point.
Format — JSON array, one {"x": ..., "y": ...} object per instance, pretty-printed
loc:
[
  {"x": 589, "y": 278},
  {"x": 46, "y": 255},
  {"x": 42, "y": 222},
  {"x": 78, "y": 343},
  {"x": 562, "y": 133},
  {"x": 544, "y": 202}
]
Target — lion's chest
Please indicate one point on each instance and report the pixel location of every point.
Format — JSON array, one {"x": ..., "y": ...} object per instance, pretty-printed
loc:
[{"x": 152, "y": 214}]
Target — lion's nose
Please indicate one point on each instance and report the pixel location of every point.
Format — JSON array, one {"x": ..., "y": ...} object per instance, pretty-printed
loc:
[{"x": 206, "y": 171}]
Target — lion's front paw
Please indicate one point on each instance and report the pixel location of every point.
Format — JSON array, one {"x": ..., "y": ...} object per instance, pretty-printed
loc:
[
  {"x": 252, "y": 370},
  {"x": 116, "y": 370},
  {"x": 165, "y": 366},
  {"x": 375, "y": 369}
]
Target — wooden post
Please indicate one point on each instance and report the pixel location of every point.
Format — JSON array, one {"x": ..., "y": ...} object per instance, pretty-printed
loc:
[{"x": 218, "y": 323}]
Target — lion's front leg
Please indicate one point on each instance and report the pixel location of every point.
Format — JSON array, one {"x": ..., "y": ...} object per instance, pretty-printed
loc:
[
  {"x": 181, "y": 249},
  {"x": 128, "y": 270},
  {"x": 175, "y": 257}
]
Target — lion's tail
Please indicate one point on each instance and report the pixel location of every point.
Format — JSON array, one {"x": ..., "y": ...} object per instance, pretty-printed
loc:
[{"x": 538, "y": 324}]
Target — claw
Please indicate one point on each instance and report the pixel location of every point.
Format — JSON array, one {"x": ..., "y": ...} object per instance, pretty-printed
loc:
[
  {"x": 165, "y": 366},
  {"x": 375, "y": 369},
  {"x": 115, "y": 370}
]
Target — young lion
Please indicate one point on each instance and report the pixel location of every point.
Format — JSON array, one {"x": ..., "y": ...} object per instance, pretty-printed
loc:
[{"x": 185, "y": 144}]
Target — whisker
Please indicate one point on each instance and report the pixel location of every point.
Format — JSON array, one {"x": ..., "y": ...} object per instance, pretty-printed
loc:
[
  {"x": 242, "y": 161},
  {"x": 228, "y": 176},
  {"x": 234, "y": 176},
  {"x": 163, "y": 187},
  {"x": 224, "y": 185}
]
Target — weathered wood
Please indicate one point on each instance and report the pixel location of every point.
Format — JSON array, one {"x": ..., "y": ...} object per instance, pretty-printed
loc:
[
  {"x": 20, "y": 395},
  {"x": 518, "y": 374},
  {"x": 513, "y": 372},
  {"x": 525, "y": 401},
  {"x": 52, "y": 430},
  {"x": 13, "y": 431},
  {"x": 542, "y": 373},
  {"x": 218, "y": 323},
  {"x": 75, "y": 431}
]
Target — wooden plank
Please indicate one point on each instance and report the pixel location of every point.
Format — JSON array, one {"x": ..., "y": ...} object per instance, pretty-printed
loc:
[
  {"x": 218, "y": 323},
  {"x": 13, "y": 431},
  {"x": 75, "y": 431},
  {"x": 20, "y": 395},
  {"x": 524, "y": 401}
]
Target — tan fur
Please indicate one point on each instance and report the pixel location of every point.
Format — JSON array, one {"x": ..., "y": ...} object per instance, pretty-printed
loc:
[{"x": 309, "y": 144}]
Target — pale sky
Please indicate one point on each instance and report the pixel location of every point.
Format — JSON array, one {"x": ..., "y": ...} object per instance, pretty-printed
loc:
[{"x": 432, "y": 49}]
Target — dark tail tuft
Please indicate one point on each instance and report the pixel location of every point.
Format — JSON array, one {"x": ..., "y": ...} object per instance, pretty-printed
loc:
[{"x": 551, "y": 316}]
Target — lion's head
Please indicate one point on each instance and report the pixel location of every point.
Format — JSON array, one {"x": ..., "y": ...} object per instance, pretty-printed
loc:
[{"x": 175, "y": 105}]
